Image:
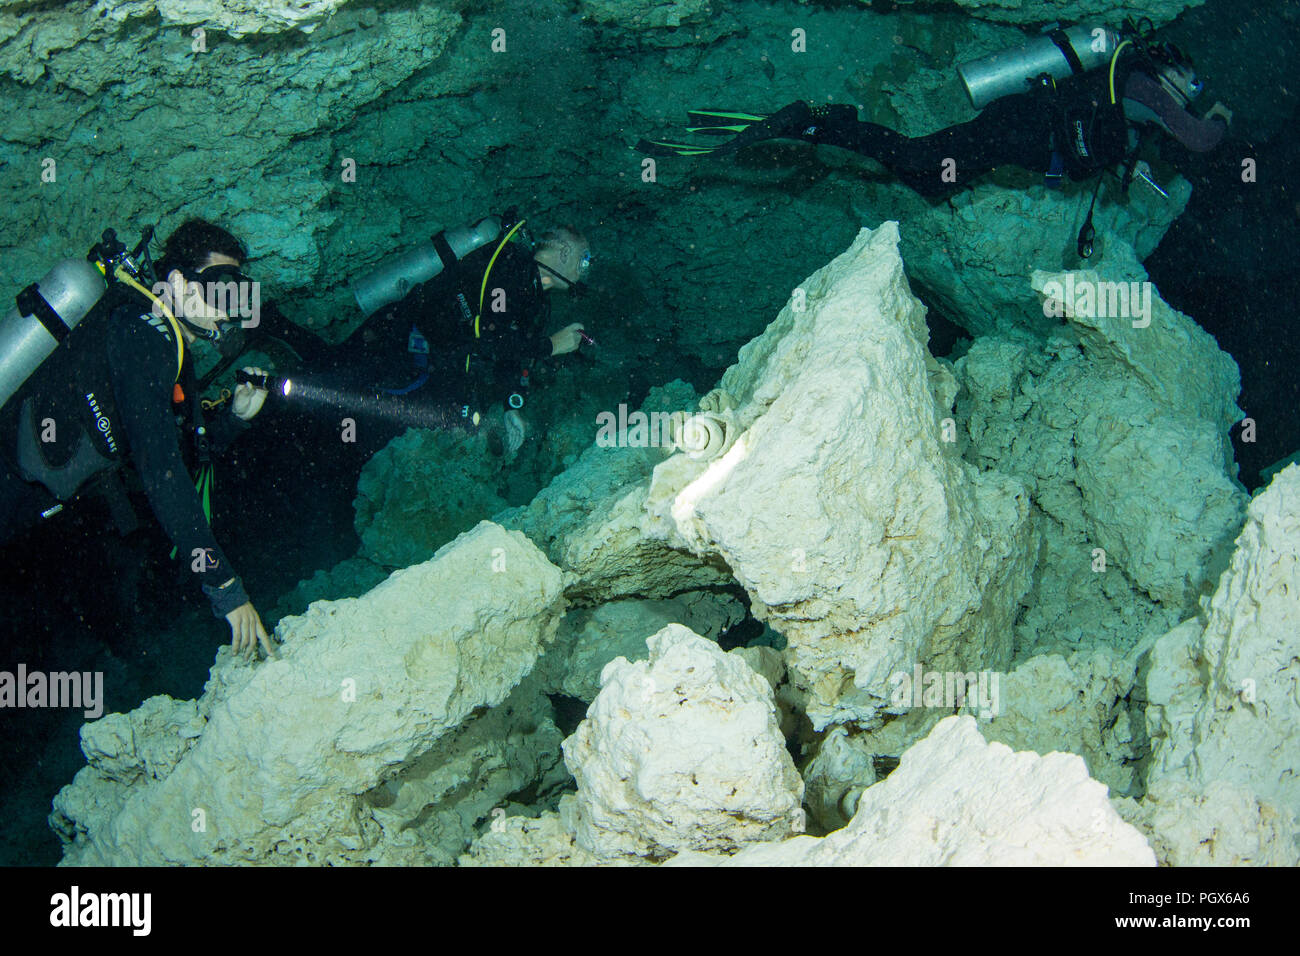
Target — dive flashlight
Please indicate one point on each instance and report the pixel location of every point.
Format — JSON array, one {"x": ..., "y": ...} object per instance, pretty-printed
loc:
[{"x": 271, "y": 383}]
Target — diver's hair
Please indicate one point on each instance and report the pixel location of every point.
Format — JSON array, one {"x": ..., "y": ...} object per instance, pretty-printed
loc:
[
  {"x": 193, "y": 242},
  {"x": 560, "y": 236}
]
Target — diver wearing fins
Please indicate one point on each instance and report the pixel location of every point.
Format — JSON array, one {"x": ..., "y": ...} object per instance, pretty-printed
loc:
[
  {"x": 456, "y": 323},
  {"x": 114, "y": 391},
  {"x": 1089, "y": 121}
]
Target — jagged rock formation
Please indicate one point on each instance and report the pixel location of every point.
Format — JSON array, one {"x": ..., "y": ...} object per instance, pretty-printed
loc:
[
  {"x": 1222, "y": 706},
  {"x": 1121, "y": 433},
  {"x": 956, "y": 800},
  {"x": 273, "y": 758},
  {"x": 681, "y": 751},
  {"x": 857, "y": 532}
]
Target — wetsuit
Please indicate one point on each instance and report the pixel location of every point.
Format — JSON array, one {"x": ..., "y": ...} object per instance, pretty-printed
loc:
[
  {"x": 1076, "y": 122},
  {"x": 106, "y": 397},
  {"x": 423, "y": 350}
]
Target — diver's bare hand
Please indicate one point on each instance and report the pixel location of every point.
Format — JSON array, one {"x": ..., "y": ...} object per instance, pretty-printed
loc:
[
  {"x": 246, "y": 631},
  {"x": 247, "y": 400},
  {"x": 1218, "y": 109},
  {"x": 567, "y": 339}
]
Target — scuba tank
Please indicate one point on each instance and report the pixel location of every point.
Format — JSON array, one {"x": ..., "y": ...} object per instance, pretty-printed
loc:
[
  {"x": 1059, "y": 54},
  {"x": 45, "y": 313},
  {"x": 396, "y": 276}
]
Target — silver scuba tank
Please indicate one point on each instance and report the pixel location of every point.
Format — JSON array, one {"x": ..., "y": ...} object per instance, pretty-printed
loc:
[
  {"x": 1013, "y": 71},
  {"x": 71, "y": 290},
  {"x": 397, "y": 275}
]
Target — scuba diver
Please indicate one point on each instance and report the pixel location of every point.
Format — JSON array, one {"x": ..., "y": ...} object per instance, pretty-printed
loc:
[
  {"x": 1090, "y": 121},
  {"x": 456, "y": 324},
  {"x": 111, "y": 384}
]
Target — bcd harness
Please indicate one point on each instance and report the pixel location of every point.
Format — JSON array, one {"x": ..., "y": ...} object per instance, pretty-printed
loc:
[
  {"x": 204, "y": 477},
  {"x": 418, "y": 345},
  {"x": 1083, "y": 140}
]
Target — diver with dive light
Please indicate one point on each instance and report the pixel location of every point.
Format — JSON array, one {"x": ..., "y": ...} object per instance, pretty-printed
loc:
[
  {"x": 454, "y": 326},
  {"x": 96, "y": 374}
]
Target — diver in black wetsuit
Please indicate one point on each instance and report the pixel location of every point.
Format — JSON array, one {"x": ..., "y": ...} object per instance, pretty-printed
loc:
[
  {"x": 1076, "y": 127},
  {"x": 467, "y": 337},
  {"x": 114, "y": 392}
]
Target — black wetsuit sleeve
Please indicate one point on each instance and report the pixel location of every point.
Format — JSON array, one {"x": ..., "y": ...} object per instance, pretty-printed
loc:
[
  {"x": 224, "y": 428},
  {"x": 142, "y": 363}
]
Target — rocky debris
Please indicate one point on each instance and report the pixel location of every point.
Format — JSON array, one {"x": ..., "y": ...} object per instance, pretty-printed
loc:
[
  {"x": 589, "y": 639},
  {"x": 974, "y": 254},
  {"x": 363, "y": 688},
  {"x": 956, "y": 800},
  {"x": 1030, "y": 12}
]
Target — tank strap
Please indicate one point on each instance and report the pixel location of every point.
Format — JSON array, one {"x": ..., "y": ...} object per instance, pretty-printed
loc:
[
  {"x": 445, "y": 252},
  {"x": 31, "y": 302},
  {"x": 1067, "y": 50}
]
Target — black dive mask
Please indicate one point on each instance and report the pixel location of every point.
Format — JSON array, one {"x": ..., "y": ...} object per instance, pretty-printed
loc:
[
  {"x": 229, "y": 336},
  {"x": 575, "y": 286}
]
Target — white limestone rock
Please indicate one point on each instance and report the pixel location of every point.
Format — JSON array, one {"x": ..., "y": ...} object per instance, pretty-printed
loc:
[
  {"x": 589, "y": 639},
  {"x": 363, "y": 688},
  {"x": 859, "y": 534},
  {"x": 235, "y": 17},
  {"x": 1223, "y": 824},
  {"x": 956, "y": 800},
  {"x": 682, "y": 751},
  {"x": 545, "y": 840},
  {"x": 974, "y": 254},
  {"x": 591, "y": 521},
  {"x": 1121, "y": 433},
  {"x": 434, "y": 806},
  {"x": 1221, "y": 689},
  {"x": 836, "y": 777}
]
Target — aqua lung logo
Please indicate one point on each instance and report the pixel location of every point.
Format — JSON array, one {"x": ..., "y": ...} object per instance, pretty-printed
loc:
[{"x": 102, "y": 422}]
